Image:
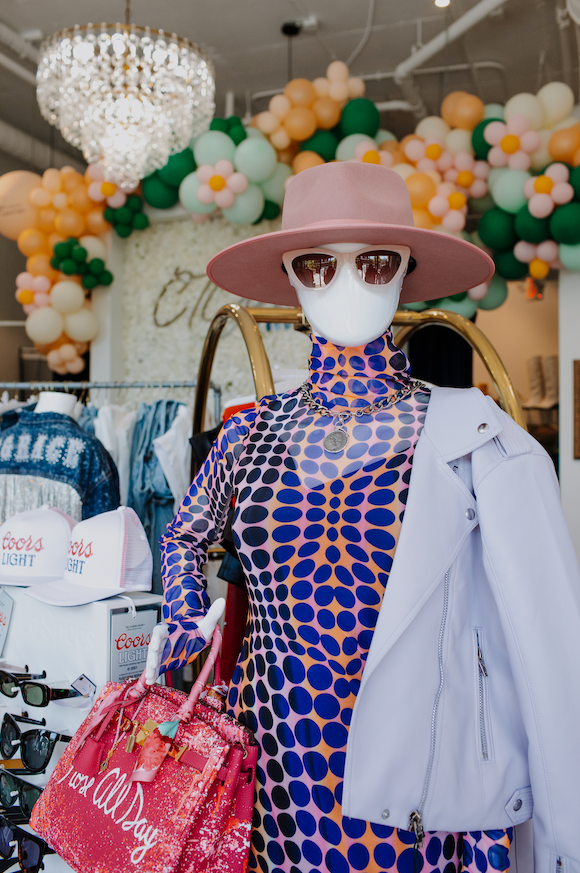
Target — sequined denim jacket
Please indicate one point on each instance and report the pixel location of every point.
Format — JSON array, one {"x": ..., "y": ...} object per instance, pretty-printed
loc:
[{"x": 53, "y": 446}]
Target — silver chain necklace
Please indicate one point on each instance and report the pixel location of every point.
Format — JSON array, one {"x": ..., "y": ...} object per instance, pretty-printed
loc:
[{"x": 337, "y": 439}]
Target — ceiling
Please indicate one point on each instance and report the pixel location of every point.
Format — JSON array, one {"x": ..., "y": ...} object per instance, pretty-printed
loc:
[{"x": 243, "y": 37}]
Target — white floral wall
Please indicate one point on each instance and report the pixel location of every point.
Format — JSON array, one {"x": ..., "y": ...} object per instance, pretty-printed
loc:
[{"x": 169, "y": 303}]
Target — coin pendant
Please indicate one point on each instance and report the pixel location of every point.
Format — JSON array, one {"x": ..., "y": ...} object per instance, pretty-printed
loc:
[{"x": 335, "y": 441}]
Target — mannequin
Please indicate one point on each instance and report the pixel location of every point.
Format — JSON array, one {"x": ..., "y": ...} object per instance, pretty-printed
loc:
[
  {"x": 56, "y": 401},
  {"x": 389, "y": 654}
]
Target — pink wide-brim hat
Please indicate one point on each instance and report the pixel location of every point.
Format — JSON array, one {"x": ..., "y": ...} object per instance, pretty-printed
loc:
[{"x": 349, "y": 202}]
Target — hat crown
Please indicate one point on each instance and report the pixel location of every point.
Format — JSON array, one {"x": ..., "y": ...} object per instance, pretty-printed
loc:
[{"x": 346, "y": 191}]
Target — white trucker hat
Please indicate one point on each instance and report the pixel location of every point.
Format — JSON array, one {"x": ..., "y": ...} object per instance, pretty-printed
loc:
[
  {"x": 34, "y": 546},
  {"x": 108, "y": 554}
]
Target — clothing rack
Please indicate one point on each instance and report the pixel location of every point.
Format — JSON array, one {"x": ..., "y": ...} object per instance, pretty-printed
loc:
[{"x": 81, "y": 386}]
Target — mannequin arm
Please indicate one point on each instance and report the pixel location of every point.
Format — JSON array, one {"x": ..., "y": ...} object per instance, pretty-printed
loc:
[
  {"x": 163, "y": 639},
  {"x": 494, "y": 846}
]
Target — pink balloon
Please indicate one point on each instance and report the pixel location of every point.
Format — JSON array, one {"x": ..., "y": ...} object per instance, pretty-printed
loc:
[
  {"x": 116, "y": 200},
  {"x": 519, "y": 161},
  {"x": 414, "y": 150},
  {"x": 224, "y": 168},
  {"x": 237, "y": 183},
  {"x": 454, "y": 220},
  {"x": 478, "y": 188},
  {"x": 496, "y": 157},
  {"x": 225, "y": 198},
  {"x": 205, "y": 194},
  {"x": 517, "y": 124},
  {"x": 494, "y": 132},
  {"x": 450, "y": 175},
  {"x": 41, "y": 299},
  {"x": 479, "y": 292},
  {"x": 547, "y": 251},
  {"x": 445, "y": 162},
  {"x": 77, "y": 365},
  {"x": 24, "y": 280},
  {"x": 445, "y": 189},
  {"x": 556, "y": 264},
  {"x": 386, "y": 159},
  {"x": 363, "y": 147},
  {"x": 426, "y": 165},
  {"x": 558, "y": 173},
  {"x": 562, "y": 192},
  {"x": 28, "y": 308},
  {"x": 438, "y": 206},
  {"x": 95, "y": 193},
  {"x": 529, "y": 189},
  {"x": 199, "y": 219},
  {"x": 95, "y": 171},
  {"x": 481, "y": 169},
  {"x": 464, "y": 161},
  {"x": 530, "y": 141},
  {"x": 41, "y": 283},
  {"x": 525, "y": 252},
  {"x": 204, "y": 173},
  {"x": 541, "y": 205}
]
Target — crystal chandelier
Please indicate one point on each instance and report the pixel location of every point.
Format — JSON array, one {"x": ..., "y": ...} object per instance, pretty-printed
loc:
[{"x": 127, "y": 96}]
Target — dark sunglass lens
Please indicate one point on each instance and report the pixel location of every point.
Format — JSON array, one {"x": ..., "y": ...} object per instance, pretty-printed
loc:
[
  {"x": 36, "y": 748},
  {"x": 8, "y": 733},
  {"x": 32, "y": 693},
  {"x": 7, "y": 789},
  {"x": 378, "y": 268},
  {"x": 314, "y": 271},
  {"x": 29, "y": 794},
  {"x": 8, "y": 686},
  {"x": 30, "y": 855},
  {"x": 6, "y": 837}
]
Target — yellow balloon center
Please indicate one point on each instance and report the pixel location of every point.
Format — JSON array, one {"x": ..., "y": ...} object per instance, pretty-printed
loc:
[
  {"x": 543, "y": 185},
  {"x": 433, "y": 151},
  {"x": 217, "y": 183},
  {"x": 510, "y": 144},
  {"x": 465, "y": 179},
  {"x": 108, "y": 189},
  {"x": 457, "y": 200},
  {"x": 25, "y": 296},
  {"x": 371, "y": 157},
  {"x": 539, "y": 269}
]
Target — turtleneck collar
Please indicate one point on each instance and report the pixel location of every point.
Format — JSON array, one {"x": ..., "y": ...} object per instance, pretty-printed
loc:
[{"x": 354, "y": 377}]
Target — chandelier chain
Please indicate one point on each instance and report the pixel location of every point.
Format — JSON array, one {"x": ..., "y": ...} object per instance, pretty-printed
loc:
[{"x": 128, "y": 12}]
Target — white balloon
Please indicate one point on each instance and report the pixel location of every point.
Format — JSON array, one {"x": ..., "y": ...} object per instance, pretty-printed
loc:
[
  {"x": 459, "y": 141},
  {"x": 404, "y": 170},
  {"x": 432, "y": 127},
  {"x": 81, "y": 326},
  {"x": 542, "y": 156},
  {"x": 528, "y": 105},
  {"x": 556, "y": 100},
  {"x": 95, "y": 247},
  {"x": 478, "y": 292},
  {"x": 67, "y": 297},
  {"x": 44, "y": 325},
  {"x": 570, "y": 121}
]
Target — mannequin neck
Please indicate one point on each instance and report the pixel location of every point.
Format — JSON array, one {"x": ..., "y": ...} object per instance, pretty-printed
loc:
[
  {"x": 56, "y": 401},
  {"x": 355, "y": 377}
]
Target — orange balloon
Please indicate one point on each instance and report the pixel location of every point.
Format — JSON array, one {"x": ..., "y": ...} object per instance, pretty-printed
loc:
[
  {"x": 39, "y": 265},
  {"x": 408, "y": 138},
  {"x": 45, "y": 220},
  {"x": 421, "y": 189},
  {"x": 327, "y": 112},
  {"x": 96, "y": 223},
  {"x": 300, "y": 92},
  {"x": 449, "y": 106},
  {"x": 70, "y": 181},
  {"x": 300, "y": 123},
  {"x": 32, "y": 241},
  {"x": 468, "y": 112},
  {"x": 576, "y": 159},
  {"x": 286, "y": 156},
  {"x": 422, "y": 219},
  {"x": 306, "y": 160},
  {"x": 79, "y": 199},
  {"x": 16, "y": 211},
  {"x": 69, "y": 223},
  {"x": 564, "y": 144},
  {"x": 55, "y": 238}
]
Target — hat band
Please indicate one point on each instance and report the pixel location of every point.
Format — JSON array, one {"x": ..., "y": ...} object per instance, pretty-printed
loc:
[{"x": 343, "y": 224}]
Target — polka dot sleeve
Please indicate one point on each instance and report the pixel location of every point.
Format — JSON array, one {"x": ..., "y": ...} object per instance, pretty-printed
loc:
[
  {"x": 486, "y": 851},
  {"x": 198, "y": 524}
]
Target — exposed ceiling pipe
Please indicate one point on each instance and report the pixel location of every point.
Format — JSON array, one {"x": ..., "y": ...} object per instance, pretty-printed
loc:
[
  {"x": 18, "y": 44},
  {"x": 404, "y": 70},
  {"x": 394, "y": 106},
  {"x": 565, "y": 33},
  {"x": 32, "y": 151},
  {"x": 17, "y": 69}
]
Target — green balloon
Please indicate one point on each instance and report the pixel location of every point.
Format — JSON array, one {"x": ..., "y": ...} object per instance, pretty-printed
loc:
[
  {"x": 415, "y": 307},
  {"x": 134, "y": 203},
  {"x": 124, "y": 215},
  {"x": 347, "y": 146},
  {"x": 156, "y": 193},
  {"x": 256, "y": 159},
  {"x": 508, "y": 266},
  {"x": 254, "y": 133},
  {"x": 237, "y": 133},
  {"x": 140, "y": 221},
  {"x": 109, "y": 214},
  {"x": 219, "y": 124},
  {"x": 466, "y": 307},
  {"x": 123, "y": 230},
  {"x": 55, "y": 262},
  {"x": 384, "y": 136},
  {"x": 96, "y": 266},
  {"x": 494, "y": 112},
  {"x": 360, "y": 116},
  {"x": 89, "y": 282},
  {"x": 177, "y": 168},
  {"x": 323, "y": 142},
  {"x": 62, "y": 249},
  {"x": 497, "y": 292},
  {"x": 274, "y": 187},
  {"x": 270, "y": 211},
  {"x": 234, "y": 121},
  {"x": 82, "y": 268},
  {"x": 79, "y": 254},
  {"x": 570, "y": 256},
  {"x": 480, "y": 205},
  {"x": 213, "y": 146},
  {"x": 530, "y": 229},
  {"x": 508, "y": 190},
  {"x": 188, "y": 199},
  {"x": 68, "y": 266},
  {"x": 574, "y": 181},
  {"x": 480, "y": 146},
  {"x": 248, "y": 206},
  {"x": 458, "y": 297},
  {"x": 497, "y": 230},
  {"x": 105, "y": 278},
  {"x": 495, "y": 174},
  {"x": 565, "y": 224}
]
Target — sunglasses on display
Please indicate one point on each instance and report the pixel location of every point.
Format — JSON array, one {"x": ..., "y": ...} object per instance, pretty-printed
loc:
[
  {"x": 33, "y": 693},
  {"x": 316, "y": 268},
  {"x": 31, "y": 849},
  {"x": 15, "y": 790},
  {"x": 36, "y": 746}
]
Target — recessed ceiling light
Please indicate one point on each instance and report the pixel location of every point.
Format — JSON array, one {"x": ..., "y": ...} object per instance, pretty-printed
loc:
[{"x": 441, "y": 3}]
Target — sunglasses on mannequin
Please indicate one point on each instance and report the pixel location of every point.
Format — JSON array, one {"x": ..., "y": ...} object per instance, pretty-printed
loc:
[
  {"x": 31, "y": 849},
  {"x": 316, "y": 268},
  {"x": 33, "y": 693},
  {"x": 15, "y": 790},
  {"x": 36, "y": 746}
]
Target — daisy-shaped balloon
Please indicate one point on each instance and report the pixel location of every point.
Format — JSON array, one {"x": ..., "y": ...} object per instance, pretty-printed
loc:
[
  {"x": 540, "y": 258},
  {"x": 367, "y": 153},
  {"x": 100, "y": 190},
  {"x": 32, "y": 291},
  {"x": 512, "y": 143},
  {"x": 449, "y": 206},
  {"x": 220, "y": 184},
  {"x": 547, "y": 191},
  {"x": 469, "y": 175},
  {"x": 428, "y": 155}
]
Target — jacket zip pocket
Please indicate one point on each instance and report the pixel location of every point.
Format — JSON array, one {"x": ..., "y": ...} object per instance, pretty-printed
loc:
[{"x": 481, "y": 693}]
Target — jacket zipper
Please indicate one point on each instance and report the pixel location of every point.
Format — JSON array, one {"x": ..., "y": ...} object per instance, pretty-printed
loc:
[
  {"x": 481, "y": 677},
  {"x": 416, "y": 817},
  {"x": 559, "y": 865}
]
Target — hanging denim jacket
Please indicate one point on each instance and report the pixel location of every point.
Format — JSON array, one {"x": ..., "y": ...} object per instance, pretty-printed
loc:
[{"x": 47, "y": 458}]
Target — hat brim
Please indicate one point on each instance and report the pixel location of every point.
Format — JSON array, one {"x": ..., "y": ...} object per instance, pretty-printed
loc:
[
  {"x": 62, "y": 593},
  {"x": 23, "y": 582},
  {"x": 446, "y": 265}
]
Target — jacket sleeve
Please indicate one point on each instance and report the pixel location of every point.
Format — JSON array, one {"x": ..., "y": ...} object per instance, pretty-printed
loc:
[
  {"x": 198, "y": 524},
  {"x": 533, "y": 572}
]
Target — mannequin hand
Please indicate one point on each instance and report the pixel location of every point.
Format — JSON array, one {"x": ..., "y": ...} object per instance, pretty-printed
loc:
[{"x": 185, "y": 638}]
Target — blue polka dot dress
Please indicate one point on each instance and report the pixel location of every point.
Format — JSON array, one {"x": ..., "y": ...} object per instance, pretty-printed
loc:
[{"x": 316, "y": 533}]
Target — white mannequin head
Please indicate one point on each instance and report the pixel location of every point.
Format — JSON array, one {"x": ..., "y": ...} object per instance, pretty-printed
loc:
[
  {"x": 56, "y": 401},
  {"x": 349, "y": 311}
]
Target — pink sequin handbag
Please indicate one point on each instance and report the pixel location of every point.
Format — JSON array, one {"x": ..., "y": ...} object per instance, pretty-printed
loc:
[{"x": 153, "y": 780}]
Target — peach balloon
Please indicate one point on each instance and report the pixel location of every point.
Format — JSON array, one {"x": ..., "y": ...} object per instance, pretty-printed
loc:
[
  {"x": 279, "y": 105},
  {"x": 321, "y": 85},
  {"x": 338, "y": 91},
  {"x": 96, "y": 223},
  {"x": 337, "y": 71},
  {"x": 564, "y": 144},
  {"x": 306, "y": 160},
  {"x": 70, "y": 181},
  {"x": 280, "y": 139},
  {"x": 32, "y": 241},
  {"x": 79, "y": 199},
  {"x": 39, "y": 197},
  {"x": 39, "y": 265},
  {"x": 422, "y": 219},
  {"x": 55, "y": 238},
  {"x": 45, "y": 220},
  {"x": 300, "y": 92},
  {"x": 356, "y": 87},
  {"x": 300, "y": 123},
  {"x": 327, "y": 112},
  {"x": 286, "y": 156},
  {"x": 421, "y": 189},
  {"x": 468, "y": 112},
  {"x": 16, "y": 211},
  {"x": 70, "y": 223},
  {"x": 449, "y": 106},
  {"x": 267, "y": 122},
  {"x": 51, "y": 180}
]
